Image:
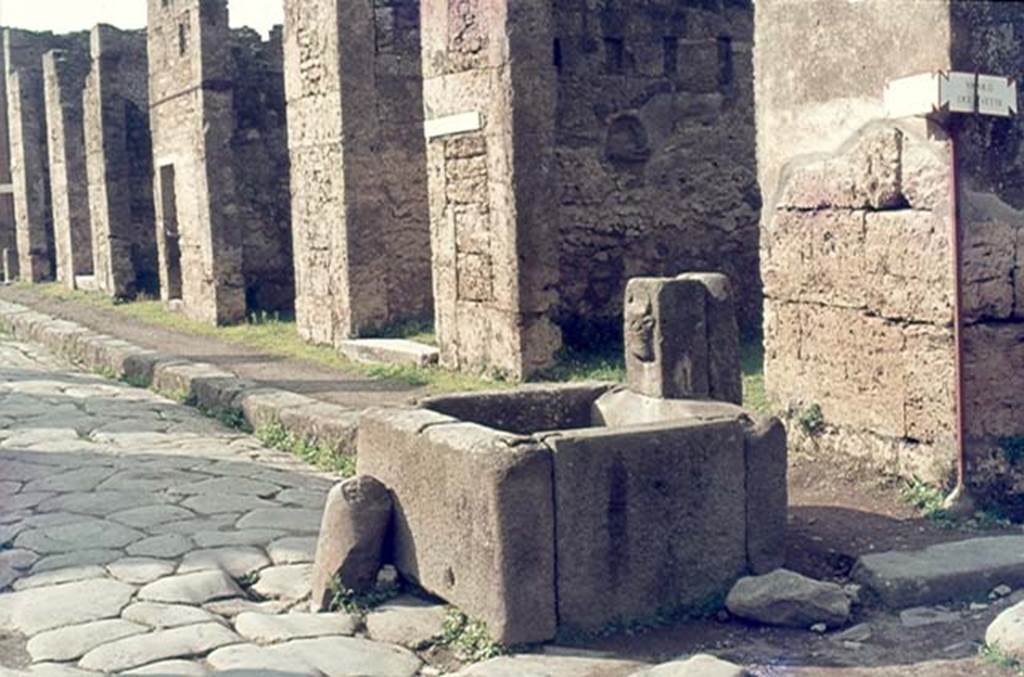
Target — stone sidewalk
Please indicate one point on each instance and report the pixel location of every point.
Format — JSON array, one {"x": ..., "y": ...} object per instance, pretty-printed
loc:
[{"x": 138, "y": 536}]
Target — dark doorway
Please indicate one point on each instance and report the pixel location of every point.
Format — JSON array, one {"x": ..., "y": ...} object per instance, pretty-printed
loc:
[{"x": 169, "y": 231}]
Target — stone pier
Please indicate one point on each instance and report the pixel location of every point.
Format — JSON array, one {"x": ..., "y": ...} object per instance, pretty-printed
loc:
[
  {"x": 30, "y": 172},
  {"x": 360, "y": 215},
  {"x": 856, "y": 239},
  {"x": 64, "y": 74},
  {"x": 8, "y": 236},
  {"x": 220, "y": 154},
  {"x": 120, "y": 164}
]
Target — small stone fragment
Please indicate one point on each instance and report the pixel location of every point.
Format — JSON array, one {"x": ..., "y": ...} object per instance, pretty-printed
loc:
[
  {"x": 819, "y": 628},
  {"x": 355, "y": 519},
  {"x": 700, "y": 665},
  {"x": 858, "y": 633},
  {"x": 919, "y": 616},
  {"x": 1006, "y": 632}
]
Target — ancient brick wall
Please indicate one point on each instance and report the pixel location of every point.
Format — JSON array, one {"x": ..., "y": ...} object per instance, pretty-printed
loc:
[
  {"x": 26, "y": 109},
  {"x": 120, "y": 164},
  {"x": 856, "y": 253},
  {"x": 64, "y": 74},
  {"x": 362, "y": 235},
  {"x": 493, "y": 203},
  {"x": 201, "y": 140},
  {"x": 655, "y": 151}
]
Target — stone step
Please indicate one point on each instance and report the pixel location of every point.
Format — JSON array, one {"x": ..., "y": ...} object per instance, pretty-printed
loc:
[
  {"x": 960, "y": 570},
  {"x": 390, "y": 351},
  {"x": 86, "y": 282}
]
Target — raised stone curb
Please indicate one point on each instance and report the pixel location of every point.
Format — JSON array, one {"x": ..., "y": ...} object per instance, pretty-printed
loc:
[{"x": 197, "y": 383}]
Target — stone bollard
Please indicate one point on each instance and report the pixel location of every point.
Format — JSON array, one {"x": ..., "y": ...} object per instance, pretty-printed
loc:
[
  {"x": 351, "y": 543},
  {"x": 682, "y": 339}
]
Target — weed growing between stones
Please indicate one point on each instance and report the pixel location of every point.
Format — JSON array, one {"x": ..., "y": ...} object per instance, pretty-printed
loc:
[
  {"x": 928, "y": 499},
  {"x": 248, "y": 580},
  {"x": 278, "y": 437},
  {"x": 995, "y": 656},
  {"x": 361, "y": 603},
  {"x": 469, "y": 639},
  {"x": 106, "y": 372},
  {"x": 180, "y": 395},
  {"x": 232, "y": 417},
  {"x": 811, "y": 420},
  {"x": 134, "y": 381}
]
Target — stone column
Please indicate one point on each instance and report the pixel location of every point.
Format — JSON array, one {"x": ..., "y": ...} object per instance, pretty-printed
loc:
[
  {"x": 120, "y": 163},
  {"x": 193, "y": 120},
  {"x": 355, "y": 119},
  {"x": 64, "y": 75},
  {"x": 856, "y": 231},
  {"x": 489, "y": 94}
]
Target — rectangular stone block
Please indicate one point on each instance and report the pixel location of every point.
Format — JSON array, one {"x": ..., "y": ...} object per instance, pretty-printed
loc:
[
  {"x": 650, "y": 519},
  {"x": 725, "y": 382},
  {"x": 474, "y": 516},
  {"x": 767, "y": 495}
]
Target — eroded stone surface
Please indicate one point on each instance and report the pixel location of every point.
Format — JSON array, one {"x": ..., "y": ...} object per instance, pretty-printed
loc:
[
  {"x": 266, "y": 629},
  {"x": 72, "y": 642},
  {"x": 191, "y": 588},
  {"x": 138, "y": 650}
]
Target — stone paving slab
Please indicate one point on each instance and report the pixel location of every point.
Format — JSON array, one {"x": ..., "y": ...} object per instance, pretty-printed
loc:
[{"x": 943, "y": 572}]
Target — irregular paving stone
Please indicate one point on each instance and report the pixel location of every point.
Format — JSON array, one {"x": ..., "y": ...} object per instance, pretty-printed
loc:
[
  {"x": 289, "y": 581},
  {"x": 150, "y": 479},
  {"x": 65, "y": 644},
  {"x": 264, "y": 629},
  {"x": 70, "y": 537},
  {"x": 539, "y": 665},
  {"x": 249, "y": 659},
  {"x": 194, "y": 588},
  {"x": 99, "y": 502},
  {"x": 168, "y": 545},
  {"x": 230, "y": 608},
  {"x": 79, "y": 479},
  {"x": 140, "y": 570},
  {"x": 58, "y": 576},
  {"x": 314, "y": 500},
  {"x": 211, "y": 504},
  {"x": 230, "y": 485},
  {"x": 408, "y": 621},
  {"x": 25, "y": 500},
  {"x": 151, "y": 515},
  {"x": 294, "y": 520},
  {"x": 349, "y": 656},
  {"x": 193, "y": 525},
  {"x": 943, "y": 572},
  {"x": 1006, "y": 632},
  {"x": 293, "y": 550},
  {"x": 701, "y": 665},
  {"x": 351, "y": 541},
  {"x": 139, "y": 650},
  {"x": 216, "y": 539},
  {"x": 18, "y": 559},
  {"x": 787, "y": 598},
  {"x": 33, "y": 611},
  {"x": 157, "y": 615},
  {"x": 916, "y": 617},
  {"x": 177, "y": 668},
  {"x": 236, "y": 561},
  {"x": 77, "y": 558}
]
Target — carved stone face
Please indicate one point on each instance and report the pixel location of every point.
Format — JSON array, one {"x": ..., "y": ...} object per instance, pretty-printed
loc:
[{"x": 640, "y": 325}]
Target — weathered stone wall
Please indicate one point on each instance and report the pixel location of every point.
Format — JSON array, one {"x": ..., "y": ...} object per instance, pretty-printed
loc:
[
  {"x": 655, "y": 151},
  {"x": 856, "y": 240},
  {"x": 64, "y": 74},
  {"x": 120, "y": 164},
  {"x": 26, "y": 109},
  {"x": 493, "y": 201},
  {"x": 8, "y": 236},
  {"x": 360, "y": 213},
  {"x": 262, "y": 183},
  {"x": 204, "y": 221}
]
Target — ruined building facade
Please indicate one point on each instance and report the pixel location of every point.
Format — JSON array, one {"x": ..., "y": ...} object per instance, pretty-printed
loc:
[
  {"x": 64, "y": 74},
  {"x": 29, "y": 147},
  {"x": 359, "y": 198},
  {"x": 220, "y": 163},
  {"x": 119, "y": 158},
  {"x": 856, "y": 239}
]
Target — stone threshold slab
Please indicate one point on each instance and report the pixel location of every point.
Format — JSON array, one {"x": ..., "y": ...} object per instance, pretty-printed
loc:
[
  {"x": 961, "y": 570},
  {"x": 390, "y": 351},
  {"x": 199, "y": 384}
]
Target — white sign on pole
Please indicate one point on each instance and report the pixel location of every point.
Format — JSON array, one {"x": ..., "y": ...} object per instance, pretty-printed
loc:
[
  {"x": 958, "y": 92},
  {"x": 997, "y": 95}
]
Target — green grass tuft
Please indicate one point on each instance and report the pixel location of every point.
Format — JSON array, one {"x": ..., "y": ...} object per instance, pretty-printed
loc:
[
  {"x": 361, "y": 603},
  {"x": 752, "y": 366},
  {"x": 276, "y": 436},
  {"x": 469, "y": 639},
  {"x": 811, "y": 420},
  {"x": 994, "y": 655}
]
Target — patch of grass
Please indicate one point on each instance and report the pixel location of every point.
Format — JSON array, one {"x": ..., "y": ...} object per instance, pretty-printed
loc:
[
  {"x": 811, "y": 420},
  {"x": 278, "y": 437},
  {"x": 106, "y": 372},
  {"x": 179, "y": 395},
  {"x": 579, "y": 365},
  {"x": 469, "y": 639},
  {"x": 277, "y": 335},
  {"x": 134, "y": 381},
  {"x": 994, "y": 655},
  {"x": 752, "y": 366},
  {"x": 926, "y": 498},
  {"x": 232, "y": 417},
  {"x": 361, "y": 603},
  {"x": 248, "y": 580}
]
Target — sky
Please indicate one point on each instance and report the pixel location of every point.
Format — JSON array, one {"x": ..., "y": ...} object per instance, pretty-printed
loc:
[{"x": 61, "y": 16}]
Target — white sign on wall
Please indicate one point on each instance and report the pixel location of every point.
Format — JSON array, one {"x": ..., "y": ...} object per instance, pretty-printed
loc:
[{"x": 951, "y": 92}]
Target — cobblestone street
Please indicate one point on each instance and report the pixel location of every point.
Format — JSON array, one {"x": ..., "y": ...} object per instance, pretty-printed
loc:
[{"x": 137, "y": 534}]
